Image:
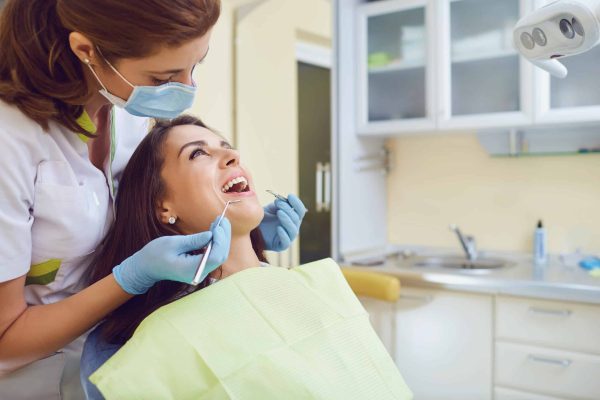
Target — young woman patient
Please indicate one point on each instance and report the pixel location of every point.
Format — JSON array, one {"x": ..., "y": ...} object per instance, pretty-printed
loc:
[{"x": 177, "y": 182}]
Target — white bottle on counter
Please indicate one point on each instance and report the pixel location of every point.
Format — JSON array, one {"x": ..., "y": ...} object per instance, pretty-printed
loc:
[{"x": 540, "y": 254}]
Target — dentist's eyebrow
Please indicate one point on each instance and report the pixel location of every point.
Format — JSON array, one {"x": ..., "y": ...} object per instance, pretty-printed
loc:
[{"x": 176, "y": 71}]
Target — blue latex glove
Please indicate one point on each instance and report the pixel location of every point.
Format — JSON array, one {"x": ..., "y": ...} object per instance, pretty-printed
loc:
[
  {"x": 167, "y": 258},
  {"x": 281, "y": 223}
]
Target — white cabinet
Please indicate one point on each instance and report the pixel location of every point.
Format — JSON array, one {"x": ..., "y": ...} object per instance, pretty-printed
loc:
[
  {"x": 573, "y": 99},
  {"x": 482, "y": 81},
  {"x": 548, "y": 348},
  {"x": 444, "y": 344},
  {"x": 455, "y": 345},
  {"x": 427, "y": 65},
  {"x": 395, "y": 66}
]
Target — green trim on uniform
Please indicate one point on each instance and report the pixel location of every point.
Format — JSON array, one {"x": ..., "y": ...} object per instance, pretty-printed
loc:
[
  {"x": 113, "y": 136},
  {"x": 43, "y": 273},
  {"x": 86, "y": 123},
  {"x": 113, "y": 149}
]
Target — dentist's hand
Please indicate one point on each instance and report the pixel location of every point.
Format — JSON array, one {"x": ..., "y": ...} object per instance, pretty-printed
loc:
[
  {"x": 167, "y": 258},
  {"x": 281, "y": 223}
]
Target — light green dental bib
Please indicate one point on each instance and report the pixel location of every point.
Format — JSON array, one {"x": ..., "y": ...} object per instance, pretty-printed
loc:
[{"x": 263, "y": 333}]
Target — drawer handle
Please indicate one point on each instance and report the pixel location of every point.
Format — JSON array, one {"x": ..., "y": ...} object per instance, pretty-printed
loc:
[
  {"x": 558, "y": 313},
  {"x": 554, "y": 361},
  {"x": 424, "y": 299}
]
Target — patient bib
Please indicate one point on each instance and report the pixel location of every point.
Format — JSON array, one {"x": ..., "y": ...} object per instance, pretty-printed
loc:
[{"x": 262, "y": 333}]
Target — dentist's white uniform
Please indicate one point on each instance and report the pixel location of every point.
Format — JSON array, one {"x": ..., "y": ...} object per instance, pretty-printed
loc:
[{"x": 55, "y": 208}]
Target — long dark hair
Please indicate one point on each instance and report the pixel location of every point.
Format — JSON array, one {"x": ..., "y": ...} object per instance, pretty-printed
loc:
[
  {"x": 40, "y": 74},
  {"x": 138, "y": 223}
]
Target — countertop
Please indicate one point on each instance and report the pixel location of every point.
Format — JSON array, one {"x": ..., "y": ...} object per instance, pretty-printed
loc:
[{"x": 552, "y": 281}]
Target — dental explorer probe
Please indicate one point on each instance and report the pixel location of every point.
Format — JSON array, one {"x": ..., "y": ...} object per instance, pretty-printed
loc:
[
  {"x": 202, "y": 265},
  {"x": 279, "y": 197}
]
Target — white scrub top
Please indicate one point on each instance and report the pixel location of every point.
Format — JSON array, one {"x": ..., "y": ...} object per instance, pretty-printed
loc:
[{"x": 55, "y": 205}]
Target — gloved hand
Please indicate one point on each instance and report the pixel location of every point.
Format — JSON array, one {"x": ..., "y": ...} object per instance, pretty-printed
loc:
[
  {"x": 167, "y": 258},
  {"x": 281, "y": 223}
]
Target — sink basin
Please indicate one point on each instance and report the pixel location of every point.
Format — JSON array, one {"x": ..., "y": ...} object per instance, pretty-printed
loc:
[{"x": 461, "y": 262}]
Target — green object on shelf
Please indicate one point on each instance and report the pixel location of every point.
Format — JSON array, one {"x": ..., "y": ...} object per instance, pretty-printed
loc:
[{"x": 379, "y": 59}]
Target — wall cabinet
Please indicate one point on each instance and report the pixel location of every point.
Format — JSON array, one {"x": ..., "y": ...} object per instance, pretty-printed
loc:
[
  {"x": 426, "y": 65},
  {"x": 396, "y": 78}
]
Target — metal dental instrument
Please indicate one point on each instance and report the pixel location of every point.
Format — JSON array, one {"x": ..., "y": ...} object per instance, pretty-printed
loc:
[
  {"x": 202, "y": 265},
  {"x": 279, "y": 197}
]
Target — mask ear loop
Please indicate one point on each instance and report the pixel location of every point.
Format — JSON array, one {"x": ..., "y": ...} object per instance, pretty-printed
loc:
[
  {"x": 87, "y": 62},
  {"x": 113, "y": 68}
]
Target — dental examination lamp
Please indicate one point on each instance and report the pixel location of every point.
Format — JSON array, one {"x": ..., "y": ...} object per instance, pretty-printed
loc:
[{"x": 560, "y": 29}]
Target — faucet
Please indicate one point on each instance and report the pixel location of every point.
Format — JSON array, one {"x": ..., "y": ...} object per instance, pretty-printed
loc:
[{"x": 467, "y": 242}]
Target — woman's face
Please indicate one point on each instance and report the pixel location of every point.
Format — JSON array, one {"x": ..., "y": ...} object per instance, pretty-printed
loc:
[
  {"x": 168, "y": 64},
  {"x": 201, "y": 172}
]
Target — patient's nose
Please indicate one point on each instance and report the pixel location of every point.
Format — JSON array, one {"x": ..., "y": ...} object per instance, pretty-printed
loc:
[{"x": 231, "y": 158}]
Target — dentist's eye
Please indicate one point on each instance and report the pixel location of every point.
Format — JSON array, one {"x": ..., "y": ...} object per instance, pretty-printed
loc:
[
  {"x": 197, "y": 152},
  {"x": 157, "y": 81}
]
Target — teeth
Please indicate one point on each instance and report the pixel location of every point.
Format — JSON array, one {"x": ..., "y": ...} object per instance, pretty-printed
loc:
[{"x": 232, "y": 182}]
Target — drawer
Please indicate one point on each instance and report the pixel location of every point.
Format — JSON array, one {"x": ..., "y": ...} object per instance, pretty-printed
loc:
[
  {"x": 510, "y": 394},
  {"x": 547, "y": 371},
  {"x": 565, "y": 325}
]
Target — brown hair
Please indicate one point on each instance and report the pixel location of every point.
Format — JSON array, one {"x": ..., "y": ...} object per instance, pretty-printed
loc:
[
  {"x": 40, "y": 74},
  {"x": 138, "y": 223}
]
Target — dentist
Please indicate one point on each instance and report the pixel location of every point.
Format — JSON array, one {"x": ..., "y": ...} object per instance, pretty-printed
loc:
[{"x": 64, "y": 64}]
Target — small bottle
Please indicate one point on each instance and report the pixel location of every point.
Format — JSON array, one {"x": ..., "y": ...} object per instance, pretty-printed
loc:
[{"x": 540, "y": 256}]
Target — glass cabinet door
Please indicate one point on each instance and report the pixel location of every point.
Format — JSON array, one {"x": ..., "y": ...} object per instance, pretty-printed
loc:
[
  {"x": 484, "y": 67},
  {"x": 394, "y": 76},
  {"x": 575, "y": 98},
  {"x": 581, "y": 87}
]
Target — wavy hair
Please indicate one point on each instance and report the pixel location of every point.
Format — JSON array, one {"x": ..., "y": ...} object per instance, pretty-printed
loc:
[
  {"x": 41, "y": 75},
  {"x": 138, "y": 223}
]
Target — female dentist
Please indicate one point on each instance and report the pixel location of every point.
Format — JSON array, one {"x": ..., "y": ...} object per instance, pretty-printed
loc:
[{"x": 63, "y": 65}]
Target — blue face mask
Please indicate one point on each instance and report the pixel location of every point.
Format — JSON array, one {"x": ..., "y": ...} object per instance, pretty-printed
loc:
[{"x": 164, "y": 101}]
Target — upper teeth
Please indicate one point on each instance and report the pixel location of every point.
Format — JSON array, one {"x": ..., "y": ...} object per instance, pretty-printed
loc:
[{"x": 232, "y": 182}]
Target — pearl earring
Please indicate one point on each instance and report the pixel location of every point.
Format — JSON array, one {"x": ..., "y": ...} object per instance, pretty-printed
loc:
[
  {"x": 172, "y": 220},
  {"x": 87, "y": 60}
]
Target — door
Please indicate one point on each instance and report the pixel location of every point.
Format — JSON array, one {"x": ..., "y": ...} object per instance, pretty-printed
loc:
[
  {"x": 444, "y": 344},
  {"x": 575, "y": 98},
  {"x": 314, "y": 160},
  {"x": 483, "y": 81}
]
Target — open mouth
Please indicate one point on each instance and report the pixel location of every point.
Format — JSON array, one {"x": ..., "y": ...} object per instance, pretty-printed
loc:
[{"x": 236, "y": 185}]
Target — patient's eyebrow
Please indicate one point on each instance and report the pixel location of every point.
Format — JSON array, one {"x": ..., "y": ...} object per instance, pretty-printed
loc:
[{"x": 202, "y": 143}]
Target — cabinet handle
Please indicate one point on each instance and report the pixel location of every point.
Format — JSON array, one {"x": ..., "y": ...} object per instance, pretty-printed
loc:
[
  {"x": 319, "y": 188},
  {"x": 558, "y": 313},
  {"x": 424, "y": 299},
  {"x": 327, "y": 190},
  {"x": 554, "y": 361}
]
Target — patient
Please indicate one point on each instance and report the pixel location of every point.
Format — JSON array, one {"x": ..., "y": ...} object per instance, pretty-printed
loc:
[{"x": 184, "y": 173}]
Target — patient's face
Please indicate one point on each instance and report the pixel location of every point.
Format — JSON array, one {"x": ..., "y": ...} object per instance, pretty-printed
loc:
[{"x": 201, "y": 172}]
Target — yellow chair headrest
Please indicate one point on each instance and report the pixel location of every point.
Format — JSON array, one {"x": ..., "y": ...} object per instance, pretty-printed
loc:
[{"x": 373, "y": 284}]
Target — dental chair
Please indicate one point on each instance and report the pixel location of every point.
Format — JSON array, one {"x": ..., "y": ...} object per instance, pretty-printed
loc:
[{"x": 378, "y": 293}]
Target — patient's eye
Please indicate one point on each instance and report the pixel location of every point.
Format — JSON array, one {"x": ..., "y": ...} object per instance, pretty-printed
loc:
[{"x": 197, "y": 152}]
